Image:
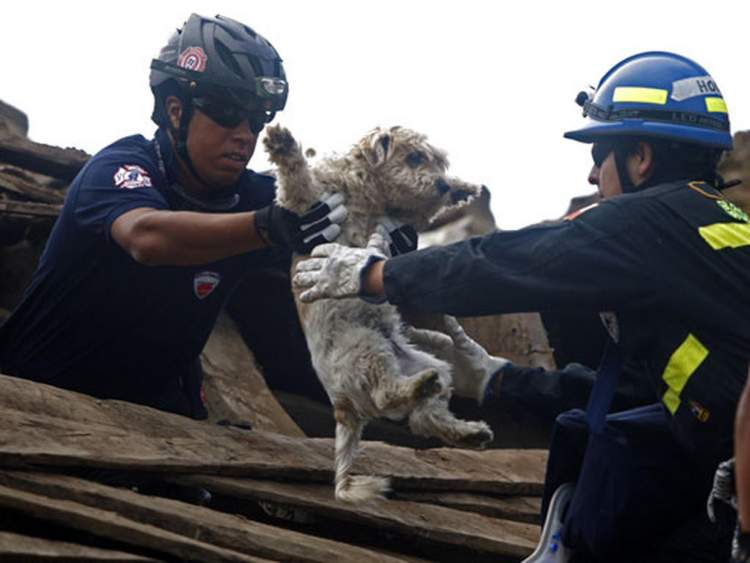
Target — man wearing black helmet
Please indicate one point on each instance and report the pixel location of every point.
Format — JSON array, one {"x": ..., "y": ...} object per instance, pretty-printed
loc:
[
  {"x": 155, "y": 234},
  {"x": 665, "y": 258}
]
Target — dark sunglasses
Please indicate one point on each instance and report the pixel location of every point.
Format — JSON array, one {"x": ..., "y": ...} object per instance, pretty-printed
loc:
[
  {"x": 230, "y": 116},
  {"x": 600, "y": 152}
]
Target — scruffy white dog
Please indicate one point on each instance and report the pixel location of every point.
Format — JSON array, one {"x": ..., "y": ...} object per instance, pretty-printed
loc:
[{"x": 370, "y": 362}]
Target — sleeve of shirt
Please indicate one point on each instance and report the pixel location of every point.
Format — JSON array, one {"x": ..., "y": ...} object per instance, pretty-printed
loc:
[
  {"x": 597, "y": 262},
  {"x": 111, "y": 187}
]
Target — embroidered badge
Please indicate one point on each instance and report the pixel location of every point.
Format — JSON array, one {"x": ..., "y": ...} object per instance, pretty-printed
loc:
[
  {"x": 204, "y": 283},
  {"x": 193, "y": 58},
  {"x": 733, "y": 211},
  {"x": 131, "y": 176},
  {"x": 699, "y": 411}
]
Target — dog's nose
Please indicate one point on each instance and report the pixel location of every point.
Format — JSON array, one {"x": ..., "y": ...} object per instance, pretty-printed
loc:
[
  {"x": 442, "y": 186},
  {"x": 460, "y": 195}
]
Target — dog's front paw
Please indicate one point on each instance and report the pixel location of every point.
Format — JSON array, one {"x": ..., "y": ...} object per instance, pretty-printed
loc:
[{"x": 279, "y": 143}]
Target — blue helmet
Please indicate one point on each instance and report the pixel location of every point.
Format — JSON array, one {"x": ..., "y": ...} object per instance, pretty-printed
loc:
[{"x": 656, "y": 94}]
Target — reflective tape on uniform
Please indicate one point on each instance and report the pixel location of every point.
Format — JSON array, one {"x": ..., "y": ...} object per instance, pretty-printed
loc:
[
  {"x": 726, "y": 235},
  {"x": 640, "y": 95},
  {"x": 682, "y": 364},
  {"x": 716, "y": 105}
]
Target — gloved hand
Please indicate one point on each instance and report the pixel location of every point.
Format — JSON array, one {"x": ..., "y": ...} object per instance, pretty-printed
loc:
[
  {"x": 401, "y": 238},
  {"x": 337, "y": 271},
  {"x": 473, "y": 367},
  {"x": 723, "y": 488},
  {"x": 740, "y": 547},
  {"x": 280, "y": 227}
]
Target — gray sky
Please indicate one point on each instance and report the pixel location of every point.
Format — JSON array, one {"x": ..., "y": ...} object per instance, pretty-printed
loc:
[{"x": 491, "y": 83}]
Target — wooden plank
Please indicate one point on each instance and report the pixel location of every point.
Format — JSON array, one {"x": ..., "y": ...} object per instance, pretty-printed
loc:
[
  {"x": 434, "y": 524},
  {"x": 217, "y": 528},
  {"x": 235, "y": 388},
  {"x": 28, "y": 549},
  {"x": 518, "y": 509},
  {"x": 28, "y": 209},
  {"x": 45, "y": 159},
  {"x": 82, "y": 431},
  {"x": 28, "y": 190},
  {"x": 110, "y": 524}
]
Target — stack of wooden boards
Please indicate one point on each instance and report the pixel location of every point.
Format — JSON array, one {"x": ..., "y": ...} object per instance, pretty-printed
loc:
[{"x": 273, "y": 498}]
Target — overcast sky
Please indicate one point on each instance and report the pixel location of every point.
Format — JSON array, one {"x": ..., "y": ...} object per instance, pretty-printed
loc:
[{"x": 492, "y": 83}]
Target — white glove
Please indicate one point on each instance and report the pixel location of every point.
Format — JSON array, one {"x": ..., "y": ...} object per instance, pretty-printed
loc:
[
  {"x": 336, "y": 271},
  {"x": 473, "y": 367}
]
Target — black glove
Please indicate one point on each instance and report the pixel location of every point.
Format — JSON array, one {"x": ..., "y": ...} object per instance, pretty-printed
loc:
[
  {"x": 740, "y": 547},
  {"x": 280, "y": 227},
  {"x": 401, "y": 238}
]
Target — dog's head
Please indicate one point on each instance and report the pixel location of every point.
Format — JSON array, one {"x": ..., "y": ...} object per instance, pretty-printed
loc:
[{"x": 410, "y": 174}]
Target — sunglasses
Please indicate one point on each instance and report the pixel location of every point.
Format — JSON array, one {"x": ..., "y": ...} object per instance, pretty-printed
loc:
[
  {"x": 230, "y": 116},
  {"x": 600, "y": 152}
]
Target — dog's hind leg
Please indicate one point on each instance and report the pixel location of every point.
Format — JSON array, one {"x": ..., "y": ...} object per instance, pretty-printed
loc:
[
  {"x": 393, "y": 392},
  {"x": 353, "y": 488},
  {"x": 295, "y": 183},
  {"x": 433, "y": 418}
]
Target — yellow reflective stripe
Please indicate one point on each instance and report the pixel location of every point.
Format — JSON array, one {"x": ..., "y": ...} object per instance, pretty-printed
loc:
[
  {"x": 682, "y": 364},
  {"x": 717, "y": 105},
  {"x": 640, "y": 95},
  {"x": 726, "y": 235}
]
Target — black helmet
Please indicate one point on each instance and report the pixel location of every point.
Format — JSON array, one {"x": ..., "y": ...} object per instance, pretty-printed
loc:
[{"x": 224, "y": 59}]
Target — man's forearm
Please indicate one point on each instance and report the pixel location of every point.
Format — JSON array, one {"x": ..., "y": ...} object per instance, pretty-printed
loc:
[
  {"x": 183, "y": 238},
  {"x": 742, "y": 459}
]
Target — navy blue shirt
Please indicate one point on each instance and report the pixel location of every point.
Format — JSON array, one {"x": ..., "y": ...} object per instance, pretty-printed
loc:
[{"x": 94, "y": 319}]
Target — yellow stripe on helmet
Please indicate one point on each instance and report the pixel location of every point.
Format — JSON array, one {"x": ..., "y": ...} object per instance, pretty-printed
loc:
[
  {"x": 716, "y": 105},
  {"x": 640, "y": 95}
]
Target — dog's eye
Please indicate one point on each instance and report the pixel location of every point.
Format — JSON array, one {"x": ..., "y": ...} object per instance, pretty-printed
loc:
[{"x": 414, "y": 159}]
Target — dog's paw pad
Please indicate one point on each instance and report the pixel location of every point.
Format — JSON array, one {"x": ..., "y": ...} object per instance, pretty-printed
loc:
[
  {"x": 429, "y": 385},
  {"x": 279, "y": 141},
  {"x": 479, "y": 439}
]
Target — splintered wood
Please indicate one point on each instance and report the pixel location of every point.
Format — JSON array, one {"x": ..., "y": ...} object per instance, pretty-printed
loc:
[{"x": 53, "y": 429}]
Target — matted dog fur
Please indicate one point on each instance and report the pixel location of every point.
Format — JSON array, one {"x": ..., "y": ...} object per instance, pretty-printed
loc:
[{"x": 369, "y": 361}]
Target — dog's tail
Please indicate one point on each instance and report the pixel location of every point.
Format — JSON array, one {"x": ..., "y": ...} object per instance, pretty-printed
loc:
[{"x": 353, "y": 488}]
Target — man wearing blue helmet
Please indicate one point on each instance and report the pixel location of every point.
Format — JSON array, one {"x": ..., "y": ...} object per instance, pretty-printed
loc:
[{"x": 665, "y": 260}]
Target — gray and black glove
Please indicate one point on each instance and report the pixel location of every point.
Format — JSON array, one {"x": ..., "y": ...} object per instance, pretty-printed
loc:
[
  {"x": 301, "y": 233},
  {"x": 401, "y": 238}
]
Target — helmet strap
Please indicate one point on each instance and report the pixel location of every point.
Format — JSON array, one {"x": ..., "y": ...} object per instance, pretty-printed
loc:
[
  {"x": 621, "y": 156},
  {"x": 180, "y": 136}
]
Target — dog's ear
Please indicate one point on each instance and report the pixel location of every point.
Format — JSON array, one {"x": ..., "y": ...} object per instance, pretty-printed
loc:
[{"x": 379, "y": 148}]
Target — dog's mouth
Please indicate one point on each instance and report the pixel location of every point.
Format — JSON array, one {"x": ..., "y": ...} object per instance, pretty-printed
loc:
[{"x": 460, "y": 195}]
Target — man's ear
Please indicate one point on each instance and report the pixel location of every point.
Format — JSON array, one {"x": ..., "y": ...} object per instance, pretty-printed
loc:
[
  {"x": 644, "y": 165},
  {"x": 378, "y": 148},
  {"x": 173, "y": 105}
]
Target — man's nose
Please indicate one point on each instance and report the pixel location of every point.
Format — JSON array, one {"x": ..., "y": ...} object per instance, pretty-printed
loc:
[{"x": 594, "y": 176}]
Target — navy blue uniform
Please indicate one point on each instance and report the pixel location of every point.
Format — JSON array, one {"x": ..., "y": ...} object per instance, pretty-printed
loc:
[
  {"x": 97, "y": 321},
  {"x": 673, "y": 264}
]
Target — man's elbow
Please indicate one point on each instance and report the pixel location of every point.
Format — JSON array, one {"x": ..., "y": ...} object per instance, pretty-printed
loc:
[{"x": 139, "y": 236}]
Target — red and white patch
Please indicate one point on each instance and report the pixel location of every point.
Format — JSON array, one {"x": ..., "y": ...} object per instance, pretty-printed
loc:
[
  {"x": 204, "y": 283},
  {"x": 193, "y": 58},
  {"x": 131, "y": 176}
]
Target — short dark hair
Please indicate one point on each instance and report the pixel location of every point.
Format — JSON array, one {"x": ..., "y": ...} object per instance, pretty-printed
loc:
[{"x": 676, "y": 160}]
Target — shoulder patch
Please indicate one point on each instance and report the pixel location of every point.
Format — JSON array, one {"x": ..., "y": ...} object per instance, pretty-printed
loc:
[
  {"x": 131, "y": 176},
  {"x": 732, "y": 210},
  {"x": 579, "y": 212}
]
